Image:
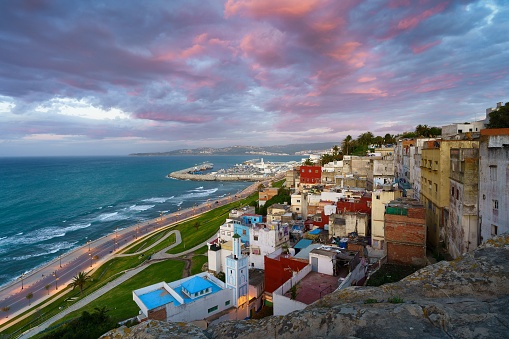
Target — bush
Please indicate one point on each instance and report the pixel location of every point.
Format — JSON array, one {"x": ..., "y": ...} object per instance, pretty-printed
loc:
[{"x": 395, "y": 300}]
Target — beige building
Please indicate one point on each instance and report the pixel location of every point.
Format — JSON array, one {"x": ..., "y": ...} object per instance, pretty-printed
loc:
[
  {"x": 278, "y": 213},
  {"x": 379, "y": 199},
  {"x": 266, "y": 194},
  {"x": 462, "y": 231},
  {"x": 435, "y": 185},
  {"x": 343, "y": 223}
]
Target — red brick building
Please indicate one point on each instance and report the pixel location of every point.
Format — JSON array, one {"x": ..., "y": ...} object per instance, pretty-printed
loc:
[
  {"x": 405, "y": 232},
  {"x": 310, "y": 175}
]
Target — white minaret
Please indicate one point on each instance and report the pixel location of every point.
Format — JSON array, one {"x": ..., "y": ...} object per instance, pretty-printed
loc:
[{"x": 237, "y": 273}]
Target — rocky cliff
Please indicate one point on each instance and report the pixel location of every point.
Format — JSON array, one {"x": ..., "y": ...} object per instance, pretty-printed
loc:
[{"x": 464, "y": 298}]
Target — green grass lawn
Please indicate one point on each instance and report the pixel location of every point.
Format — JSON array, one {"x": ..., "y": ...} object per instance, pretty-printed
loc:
[
  {"x": 202, "y": 250},
  {"x": 120, "y": 299},
  {"x": 197, "y": 263},
  {"x": 145, "y": 242}
]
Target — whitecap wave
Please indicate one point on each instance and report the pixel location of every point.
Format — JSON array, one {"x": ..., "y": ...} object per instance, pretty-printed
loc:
[
  {"x": 43, "y": 234},
  {"x": 158, "y": 200},
  {"x": 140, "y": 207},
  {"x": 110, "y": 217}
]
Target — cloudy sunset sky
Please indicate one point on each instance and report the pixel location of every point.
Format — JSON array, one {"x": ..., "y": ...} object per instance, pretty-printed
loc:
[{"x": 118, "y": 77}]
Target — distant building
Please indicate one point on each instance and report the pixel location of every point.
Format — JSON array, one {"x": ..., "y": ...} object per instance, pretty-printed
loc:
[
  {"x": 310, "y": 175},
  {"x": 405, "y": 232},
  {"x": 266, "y": 194}
]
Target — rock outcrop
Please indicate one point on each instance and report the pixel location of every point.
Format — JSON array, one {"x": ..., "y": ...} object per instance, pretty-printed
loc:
[{"x": 464, "y": 298}]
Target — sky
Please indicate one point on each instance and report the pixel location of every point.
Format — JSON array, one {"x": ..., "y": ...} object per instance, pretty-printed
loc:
[{"x": 119, "y": 77}]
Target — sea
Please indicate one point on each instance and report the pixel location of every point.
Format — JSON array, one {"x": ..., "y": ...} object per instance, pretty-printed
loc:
[{"x": 51, "y": 205}]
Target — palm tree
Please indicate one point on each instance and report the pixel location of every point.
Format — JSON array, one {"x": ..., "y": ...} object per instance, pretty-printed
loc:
[
  {"x": 346, "y": 143},
  {"x": 6, "y": 309},
  {"x": 79, "y": 281},
  {"x": 29, "y": 296}
]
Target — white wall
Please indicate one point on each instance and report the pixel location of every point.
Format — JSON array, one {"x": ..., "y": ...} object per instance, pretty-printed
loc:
[{"x": 324, "y": 263}]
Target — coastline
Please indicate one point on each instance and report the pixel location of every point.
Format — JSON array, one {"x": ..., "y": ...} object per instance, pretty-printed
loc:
[{"x": 60, "y": 271}]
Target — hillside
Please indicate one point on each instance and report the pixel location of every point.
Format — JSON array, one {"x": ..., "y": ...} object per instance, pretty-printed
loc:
[{"x": 291, "y": 149}]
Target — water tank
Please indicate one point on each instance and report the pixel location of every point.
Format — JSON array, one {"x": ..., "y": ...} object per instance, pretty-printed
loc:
[{"x": 343, "y": 243}]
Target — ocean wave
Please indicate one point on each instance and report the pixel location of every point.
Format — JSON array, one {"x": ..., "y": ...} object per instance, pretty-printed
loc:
[
  {"x": 42, "y": 234},
  {"x": 197, "y": 189},
  {"x": 140, "y": 207},
  {"x": 110, "y": 217},
  {"x": 158, "y": 200},
  {"x": 2, "y": 238}
]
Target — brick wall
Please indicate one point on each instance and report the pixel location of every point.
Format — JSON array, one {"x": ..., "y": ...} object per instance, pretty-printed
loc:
[
  {"x": 405, "y": 237},
  {"x": 406, "y": 254}
]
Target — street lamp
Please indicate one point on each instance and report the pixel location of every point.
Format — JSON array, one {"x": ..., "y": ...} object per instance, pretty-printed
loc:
[
  {"x": 90, "y": 255},
  {"x": 56, "y": 280},
  {"x": 88, "y": 242},
  {"x": 60, "y": 259},
  {"x": 22, "y": 277}
]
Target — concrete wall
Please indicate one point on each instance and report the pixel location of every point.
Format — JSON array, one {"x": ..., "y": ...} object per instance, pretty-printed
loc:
[{"x": 494, "y": 182}]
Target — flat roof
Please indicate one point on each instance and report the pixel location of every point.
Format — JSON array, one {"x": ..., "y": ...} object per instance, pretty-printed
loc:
[
  {"x": 314, "y": 286},
  {"x": 303, "y": 243},
  {"x": 157, "y": 298},
  {"x": 196, "y": 284}
]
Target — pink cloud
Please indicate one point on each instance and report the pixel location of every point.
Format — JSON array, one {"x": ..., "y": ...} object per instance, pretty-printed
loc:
[
  {"x": 372, "y": 91},
  {"x": 416, "y": 49},
  {"x": 264, "y": 46},
  {"x": 366, "y": 79},
  {"x": 413, "y": 20},
  {"x": 260, "y": 8}
]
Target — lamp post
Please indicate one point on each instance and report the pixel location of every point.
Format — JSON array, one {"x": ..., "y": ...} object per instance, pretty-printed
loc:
[
  {"x": 88, "y": 242},
  {"x": 56, "y": 280},
  {"x": 60, "y": 259},
  {"x": 22, "y": 277},
  {"x": 90, "y": 255}
]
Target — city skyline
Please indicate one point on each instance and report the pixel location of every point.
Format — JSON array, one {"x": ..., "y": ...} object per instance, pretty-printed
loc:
[{"x": 91, "y": 78}]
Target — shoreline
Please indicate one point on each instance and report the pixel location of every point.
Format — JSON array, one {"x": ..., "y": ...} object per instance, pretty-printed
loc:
[{"x": 76, "y": 260}]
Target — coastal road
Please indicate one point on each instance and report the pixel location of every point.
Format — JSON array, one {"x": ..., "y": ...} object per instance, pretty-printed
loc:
[{"x": 46, "y": 281}]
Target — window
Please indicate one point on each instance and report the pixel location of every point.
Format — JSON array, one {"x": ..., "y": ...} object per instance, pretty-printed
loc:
[
  {"x": 493, "y": 173},
  {"x": 227, "y": 302},
  {"x": 436, "y": 188},
  {"x": 452, "y": 191},
  {"x": 244, "y": 232},
  {"x": 494, "y": 230},
  {"x": 255, "y": 238},
  {"x": 377, "y": 197},
  {"x": 495, "y": 204},
  {"x": 212, "y": 309}
]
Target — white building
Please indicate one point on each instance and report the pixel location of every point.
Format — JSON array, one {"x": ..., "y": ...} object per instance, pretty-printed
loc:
[
  {"x": 379, "y": 199},
  {"x": 265, "y": 239},
  {"x": 193, "y": 298},
  {"x": 201, "y": 296},
  {"x": 494, "y": 182}
]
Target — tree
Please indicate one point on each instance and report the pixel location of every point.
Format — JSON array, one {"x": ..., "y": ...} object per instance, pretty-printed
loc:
[
  {"x": 389, "y": 139},
  {"x": 346, "y": 144},
  {"x": 365, "y": 138},
  {"x": 79, "y": 281},
  {"x": 6, "y": 309},
  {"x": 197, "y": 225},
  {"x": 499, "y": 118},
  {"x": 308, "y": 162},
  {"x": 29, "y": 296},
  {"x": 47, "y": 287},
  {"x": 100, "y": 313},
  {"x": 379, "y": 141}
]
